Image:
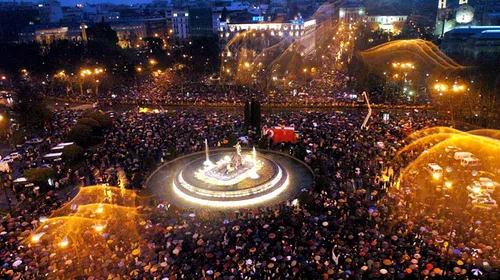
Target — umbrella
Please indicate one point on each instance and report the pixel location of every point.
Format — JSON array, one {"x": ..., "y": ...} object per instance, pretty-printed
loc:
[
  {"x": 17, "y": 263},
  {"x": 477, "y": 272}
]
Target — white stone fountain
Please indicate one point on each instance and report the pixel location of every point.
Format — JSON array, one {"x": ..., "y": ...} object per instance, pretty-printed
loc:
[{"x": 230, "y": 170}]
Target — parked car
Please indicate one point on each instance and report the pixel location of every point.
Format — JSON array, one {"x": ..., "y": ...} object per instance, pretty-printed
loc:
[
  {"x": 34, "y": 141},
  {"x": 484, "y": 202},
  {"x": 434, "y": 170},
  {"x": 482, "y": 185}
]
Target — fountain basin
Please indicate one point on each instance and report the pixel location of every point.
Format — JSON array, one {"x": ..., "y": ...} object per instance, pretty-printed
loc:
[{"x": 280, "y": 178}]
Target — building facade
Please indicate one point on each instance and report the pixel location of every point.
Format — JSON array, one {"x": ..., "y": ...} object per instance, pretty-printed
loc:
[
  {"x": 472, "y": 41},
  {"x": 388, "y": 23},
  {"x": 352, "y": 13},
  {"x": 450, "y": 16},
  {"x": 50, "y": 12},
  {"x": 46, "y": 35},
  {"x": 180, "y": 24},
  {"x": 200, "y": 22},
  {"x": 295, "y": 28}
]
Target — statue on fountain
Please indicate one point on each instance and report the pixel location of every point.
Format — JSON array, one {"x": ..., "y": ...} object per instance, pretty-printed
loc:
[
  {"x": 237, "y": 159},
  {"x": 230, "y": 169},
  {"x": 235, "y": 162}
]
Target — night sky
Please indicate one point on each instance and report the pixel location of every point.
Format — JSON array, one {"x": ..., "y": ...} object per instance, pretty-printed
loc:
[{"x": 74, "y": 2}]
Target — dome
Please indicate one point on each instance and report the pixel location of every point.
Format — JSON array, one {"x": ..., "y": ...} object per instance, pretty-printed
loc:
[{"x": 464, "y": 14}]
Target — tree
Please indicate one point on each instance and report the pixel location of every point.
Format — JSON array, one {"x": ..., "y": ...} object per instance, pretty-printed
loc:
[
  {"x": 103, "y": 119},
  {"x": 81, "y": 135},
  {"x": 73, "y": 154},
  {"x": 30, "y": 110},
  {"x": 155, "y": 45},
  {"x": 95, "y": 125},
  {"x": 102, "y": 32},
  {"x": 40, "y": 176}
]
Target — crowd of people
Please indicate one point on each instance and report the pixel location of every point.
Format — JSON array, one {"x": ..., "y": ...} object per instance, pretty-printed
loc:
[
  {"x": 175, "y": 87},
  {"x": 357, "y": 221}
]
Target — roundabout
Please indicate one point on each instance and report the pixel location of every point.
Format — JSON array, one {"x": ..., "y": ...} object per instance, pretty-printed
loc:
[{"x": 230, "y": 178}]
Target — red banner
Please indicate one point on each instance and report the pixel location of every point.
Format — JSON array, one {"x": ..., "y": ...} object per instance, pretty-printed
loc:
[{"x": 280, "y": 134}]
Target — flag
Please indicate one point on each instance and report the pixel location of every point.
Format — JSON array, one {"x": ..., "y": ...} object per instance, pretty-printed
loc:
[{"x": 280, "y": 134}]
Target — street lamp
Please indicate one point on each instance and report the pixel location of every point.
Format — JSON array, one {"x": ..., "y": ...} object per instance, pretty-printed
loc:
[
  {"x": 64, "y": 242},
  {"x": 448, "y": 184}
]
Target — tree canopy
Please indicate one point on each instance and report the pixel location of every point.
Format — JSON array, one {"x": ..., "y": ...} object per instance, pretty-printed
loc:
[{"x": 30, "y": 110}]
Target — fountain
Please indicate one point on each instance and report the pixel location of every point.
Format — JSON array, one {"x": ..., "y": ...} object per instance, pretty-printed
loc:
[
  {"x": 207, "y": 159},
  {"x": 230, "y": 170},
  {"x": 230, "y": 177}
]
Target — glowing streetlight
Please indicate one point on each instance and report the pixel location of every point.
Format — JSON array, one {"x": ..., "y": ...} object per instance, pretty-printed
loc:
[
  {"x": 436, "y": 175},
  {"x": 64, "y": 242},
  {"x": 458, "y": 88},
  {"x": 247, "y": 64},
  {"x": 36, "y": 237},
  {"x": 139, "y": 69},
  {"x": 98, "y": 227},
  {"x": 448, "y": 184},
  {"x": 152, "y": 62}
]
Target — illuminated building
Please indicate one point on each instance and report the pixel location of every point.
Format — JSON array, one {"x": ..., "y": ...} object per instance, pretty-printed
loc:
[
  {"x": 352, "y": 13},
  {"x": 295, "y": 28},
  {"x": 449, "y": 17},
  {"x": 180, "y": 24},
  {"x": 47, "y": 34},
  {"x": 388, "y": 23}
]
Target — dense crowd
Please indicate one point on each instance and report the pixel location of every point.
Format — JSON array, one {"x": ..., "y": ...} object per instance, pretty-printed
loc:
[
  {"x": 327, "y": 89},
  {"x": 356, "y": 221}
]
